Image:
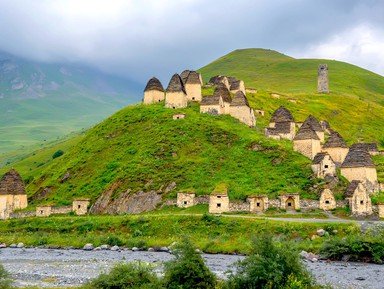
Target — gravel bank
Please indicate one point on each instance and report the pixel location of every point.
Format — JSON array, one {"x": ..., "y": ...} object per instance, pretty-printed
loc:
[{"x": 71, "y": 268}]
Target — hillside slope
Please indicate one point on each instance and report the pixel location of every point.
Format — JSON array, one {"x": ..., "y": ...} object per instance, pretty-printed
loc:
[
  {"x": 354, "y": 107},
  {"x": 269, "y": 70},
  {"x": 40, "y": 101},
  {"x": 143, "y": 148}
]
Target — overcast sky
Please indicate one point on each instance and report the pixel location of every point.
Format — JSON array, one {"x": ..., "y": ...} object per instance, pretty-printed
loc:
[{"x": 144, "y": 38}]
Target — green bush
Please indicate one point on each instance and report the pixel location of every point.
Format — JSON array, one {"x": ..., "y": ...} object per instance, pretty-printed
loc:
[
  {"x": 135, "y": 275},
  {"x": 187, "y": 270},
  {"x": 57, "y": 154},
  {"x": 359, "y": 248},
  {"x": 5, "y": 281},
  {"x": 271, "y": 265},
  {"x": 112, "y": 240}
]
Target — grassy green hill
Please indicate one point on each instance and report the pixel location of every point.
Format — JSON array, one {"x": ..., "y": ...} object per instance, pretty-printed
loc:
[
  {"x": 40, "y": 101},
  {"x": 143, "y": 148},
  {"x": 354, "y": 107},
  {"x": 269, "y": 70}
]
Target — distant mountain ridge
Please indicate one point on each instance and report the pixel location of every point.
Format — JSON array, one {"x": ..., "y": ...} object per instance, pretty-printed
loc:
[{"x": 41, "y": 100}]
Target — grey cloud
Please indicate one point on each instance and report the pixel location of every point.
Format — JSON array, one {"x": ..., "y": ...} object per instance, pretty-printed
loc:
[{"x": 139, "y": 39}]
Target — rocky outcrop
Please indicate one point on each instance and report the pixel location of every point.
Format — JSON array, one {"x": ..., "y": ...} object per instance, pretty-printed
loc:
[{"x": 126, "y": 202}]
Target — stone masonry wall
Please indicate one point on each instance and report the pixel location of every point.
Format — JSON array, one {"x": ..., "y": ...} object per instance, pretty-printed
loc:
[
  {"x": 23, "y": 214},
  {"x": 61, "y": 210},
  {"x": 239, "y": 207},
  {"x": 309, "y": 204}
]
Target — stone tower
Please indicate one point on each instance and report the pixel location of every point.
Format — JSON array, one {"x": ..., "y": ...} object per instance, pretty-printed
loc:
[
  {"x": 12, "y": 194},
  {"x": 322, "y": 79}
]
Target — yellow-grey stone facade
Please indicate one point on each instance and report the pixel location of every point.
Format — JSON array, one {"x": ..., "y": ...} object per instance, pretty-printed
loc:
[
  {"x": 80, "y": 206},
  {"x": 258, "y": 204},
  {"x": 323, "y": 165},
  {"x": 12, "y": 194},
  {"x": 218, "y": 203},
  {"x": 186, "y": 199},
  {"x": 290, "y": 201},
  {"x": 327, "y": 200}
]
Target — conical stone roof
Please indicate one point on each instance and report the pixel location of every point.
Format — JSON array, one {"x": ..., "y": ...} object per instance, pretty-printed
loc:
[
  {"x": 215, "y": 80},
  {"x": 351, "y": 189},
  {"x": 184, "y": 75},
  {"x": 192, "y": 78},
  {"x": 335, "y": 140},
  {"x": 319, "y": 158},
  {"x": 357, "y": 158},
  {"x": 235, "y": 85},
  {"x": 313, "y": 123},
  {"x": 154, "y": 84},
  {"x": 12, "y": 184},
  {"x": 282, "y": 115},
  {"x": 210, "y": 100},
  {"x": 222, "y": 90},
  {"x": 306, "y": 132},
  {"x": 369, "y": 147},
  {"x": 231, "y": 79},
  {"x": 176, "y": 84},
  {"x": 239, "y": 99}
]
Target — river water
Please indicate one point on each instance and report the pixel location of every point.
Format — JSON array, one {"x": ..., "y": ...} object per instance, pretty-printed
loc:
[{"x": 70, "y": 268}]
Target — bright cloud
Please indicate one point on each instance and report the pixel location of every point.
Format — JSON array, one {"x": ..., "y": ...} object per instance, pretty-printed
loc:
[
  {"x": 362, "y": 45},
  {"x": 142, "y": 38}
]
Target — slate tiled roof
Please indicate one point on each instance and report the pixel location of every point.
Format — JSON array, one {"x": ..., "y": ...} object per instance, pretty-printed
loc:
[
  {"x": 313, "y": 123},
  {"x": 282, "y": 115},
  {"x": 210, "y": 100},
  {"x": 231, "y": 80},
  {"x": 319, "y": 158},
  {"x": 184, "y": 75},
  {"x": 369, "y": 147},
  {"x": 235, "y": 85},
  {"x": 306, "y": 132},
  {"x": 280, "y": 128},
  {"x": 193, "y": 78},
  {"x": 357, "y": 158},
  {"x": 335, "y": 140},
  {"x": 176, "y": 84},
  {"x": 154, "y": 84},
  {"x": 12, "y": 184},
  {"x": 351, "y": 188},
  {"x": 239, "y": 99},
  {"x": 222, "y": 90}
]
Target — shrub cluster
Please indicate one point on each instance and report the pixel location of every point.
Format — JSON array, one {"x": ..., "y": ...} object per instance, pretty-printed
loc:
[
  {"x": 366, "y": 247},
  {"x": 5, "y": 281},
  {"x": 271, "y": 265}
]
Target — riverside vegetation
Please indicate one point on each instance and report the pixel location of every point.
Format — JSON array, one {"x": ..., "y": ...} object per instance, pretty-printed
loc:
[
  {"x": 271, "y": 264},
  {"x": 142, "y": 147},
  {"x": 195, "y": 152}
]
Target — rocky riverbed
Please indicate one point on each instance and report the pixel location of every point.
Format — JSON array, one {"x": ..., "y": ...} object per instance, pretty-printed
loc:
[{"x": 70, "y": 268}]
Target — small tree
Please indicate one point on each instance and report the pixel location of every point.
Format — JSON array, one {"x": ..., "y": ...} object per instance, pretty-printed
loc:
[
  {"x": 57, "y": 154},
  {"x": 5, "y": 281},
  {"x": 135, "y": 275},
  {"x": 270, "y": 265},
  {"x": 187, "y": 270}
]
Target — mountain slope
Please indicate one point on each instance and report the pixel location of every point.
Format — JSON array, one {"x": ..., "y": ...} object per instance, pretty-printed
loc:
[
  {"x": 143, "y": 148},
  {"x": 354, "y": 107},
  {"x": 39, "y": 101},
  {"x": 269, "y": 70}
]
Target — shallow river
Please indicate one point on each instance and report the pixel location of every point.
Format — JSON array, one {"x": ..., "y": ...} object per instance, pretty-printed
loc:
[{"x": 67, "y": 268}]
